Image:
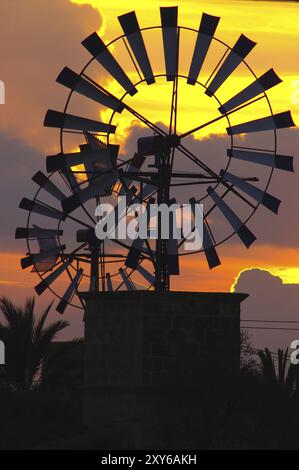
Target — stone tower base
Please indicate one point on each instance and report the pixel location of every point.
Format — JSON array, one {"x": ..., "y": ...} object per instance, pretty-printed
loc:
[{"x": 155, "y": 363}]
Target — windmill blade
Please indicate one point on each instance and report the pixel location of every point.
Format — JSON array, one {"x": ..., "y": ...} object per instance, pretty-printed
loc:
[
  {"x": 24, "y": 232},
  {"x": 47, "y": 281},
  {"x": 73, "y": 181},
  {"x": 63, "y": 161},
  {"x": 134, "y": 253},
  {"x": 277, "y": 121},
  {"x": 33, "y": 206},
  {"x": 281, "y": 162},
  {"x": 69, "y": 121},
  {"x": 145, "y": 273},
  {"x": 205, "y": 34},
  {"x": 99, "y": 51},
  {"x": 109, "y": 282},
  {"x": 147, "y": 190},
  {"x": 245, "y": 235},
  {"x": 44, "y": 182},
  {"x": 46, "y": 244},
  {"x": 260, "y": 85},
  {"x": 126, "y": 280},
  {"x": 100, "y": 186},
  {"x": 40, "y": 257},
  {"x": 266, "y": 199},
  {"x": 169, "y": 21},
  {"x": 130, "y": 26},
  {"x": 208, "y": 245},
  {"x": 107, "y": 161},
  {"x": 173, "y": 257},
  {"x": 69, "y": 292},
  {"x": 82, "y": 86},
  {"x": 209, "y": 249},
  {"x": 240, "y": 50}
]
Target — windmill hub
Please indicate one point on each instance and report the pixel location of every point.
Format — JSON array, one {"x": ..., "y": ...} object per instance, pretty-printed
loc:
[{"x": 157, "y": 145}]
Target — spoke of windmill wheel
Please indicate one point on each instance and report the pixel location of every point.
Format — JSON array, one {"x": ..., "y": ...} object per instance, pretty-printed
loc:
[
  {"x": 169, "y": 22},
  {"x": 281, "y": 162},
  {"x": 126, "y": 280},
  {"x": 266, "y": 199},
  {"x": 24, "y": 232},
  {"x": 260, "y": 85},
  {"x": 135, "y": 113},
  {"x": 65, "y": 300},
  {"x": 38, "y": 257},
  {"x": 276, "y": 121},
  {"x": 206, "y": 124},
  {"x": 131, "y": 29},
  {"x": 100, "y": 52},
  {"x": 84, "y": 87},
  {"x": 205, "y": 34},
  {"x": 195, "y": 160},
  {"x": 45, "y": 183},
  {"x": 38, "y": 208},
  {"x": 238, "y": 53},
  {"x": 241, "y": 230},
  {"x": 208, "y": 244},
  {"x": 61, "y": 120}
]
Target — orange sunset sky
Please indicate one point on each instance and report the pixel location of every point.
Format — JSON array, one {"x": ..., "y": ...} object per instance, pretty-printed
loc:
[{"x": 39, "y": 38}]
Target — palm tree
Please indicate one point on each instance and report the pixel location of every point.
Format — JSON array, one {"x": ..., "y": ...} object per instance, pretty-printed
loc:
[
  {"x": 28, "y": 345},
  {"x": 284, "y": 378}
]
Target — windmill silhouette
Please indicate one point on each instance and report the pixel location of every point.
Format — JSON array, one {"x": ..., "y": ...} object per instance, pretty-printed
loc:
[{"x": 158, "y": 169}]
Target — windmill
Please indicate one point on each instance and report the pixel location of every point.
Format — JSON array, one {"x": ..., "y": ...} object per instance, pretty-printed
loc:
[{"x": 94, "y": 164}]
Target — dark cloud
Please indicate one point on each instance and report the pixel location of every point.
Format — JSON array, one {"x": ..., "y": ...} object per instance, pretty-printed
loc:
[
  {"x": 38, "y": 38},
  {"x": 269, "y": 299},
  {"x": 19, "y": 163}
]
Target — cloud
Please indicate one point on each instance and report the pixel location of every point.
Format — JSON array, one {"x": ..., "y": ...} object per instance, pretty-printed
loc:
[
  {"x": 269, "y": 299},
  {"x": 19, "y": 163},
  {"x": 38, "y": 39}
]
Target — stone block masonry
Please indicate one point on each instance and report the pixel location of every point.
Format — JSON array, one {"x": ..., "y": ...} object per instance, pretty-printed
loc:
[{"x": 145, "y": 352}]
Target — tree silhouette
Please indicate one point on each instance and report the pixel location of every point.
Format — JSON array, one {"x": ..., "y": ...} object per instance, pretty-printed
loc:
[
  {"x": 280, "y": 376},
  {"x": 28, "y": 346}
]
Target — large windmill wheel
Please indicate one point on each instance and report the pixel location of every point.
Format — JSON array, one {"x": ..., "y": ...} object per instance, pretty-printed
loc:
[{"x": 97, "y": 164}]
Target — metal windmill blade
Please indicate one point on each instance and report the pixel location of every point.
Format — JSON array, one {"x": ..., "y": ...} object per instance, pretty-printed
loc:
[
  {"x": 131, "y": 28},
  {"x": 81, "y": 85},
  {"x": 205, "y": 34},
  {"x": 237, "y": 54},
  {"x": 99, "y": 51},
  {"x": 280, "y": 162}
]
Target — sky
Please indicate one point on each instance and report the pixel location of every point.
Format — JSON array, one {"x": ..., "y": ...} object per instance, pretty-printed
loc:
[{"x": 39, "y": 38}]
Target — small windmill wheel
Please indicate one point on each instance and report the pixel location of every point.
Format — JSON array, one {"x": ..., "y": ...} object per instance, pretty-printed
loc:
[{"x": 123, "y": 89}]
